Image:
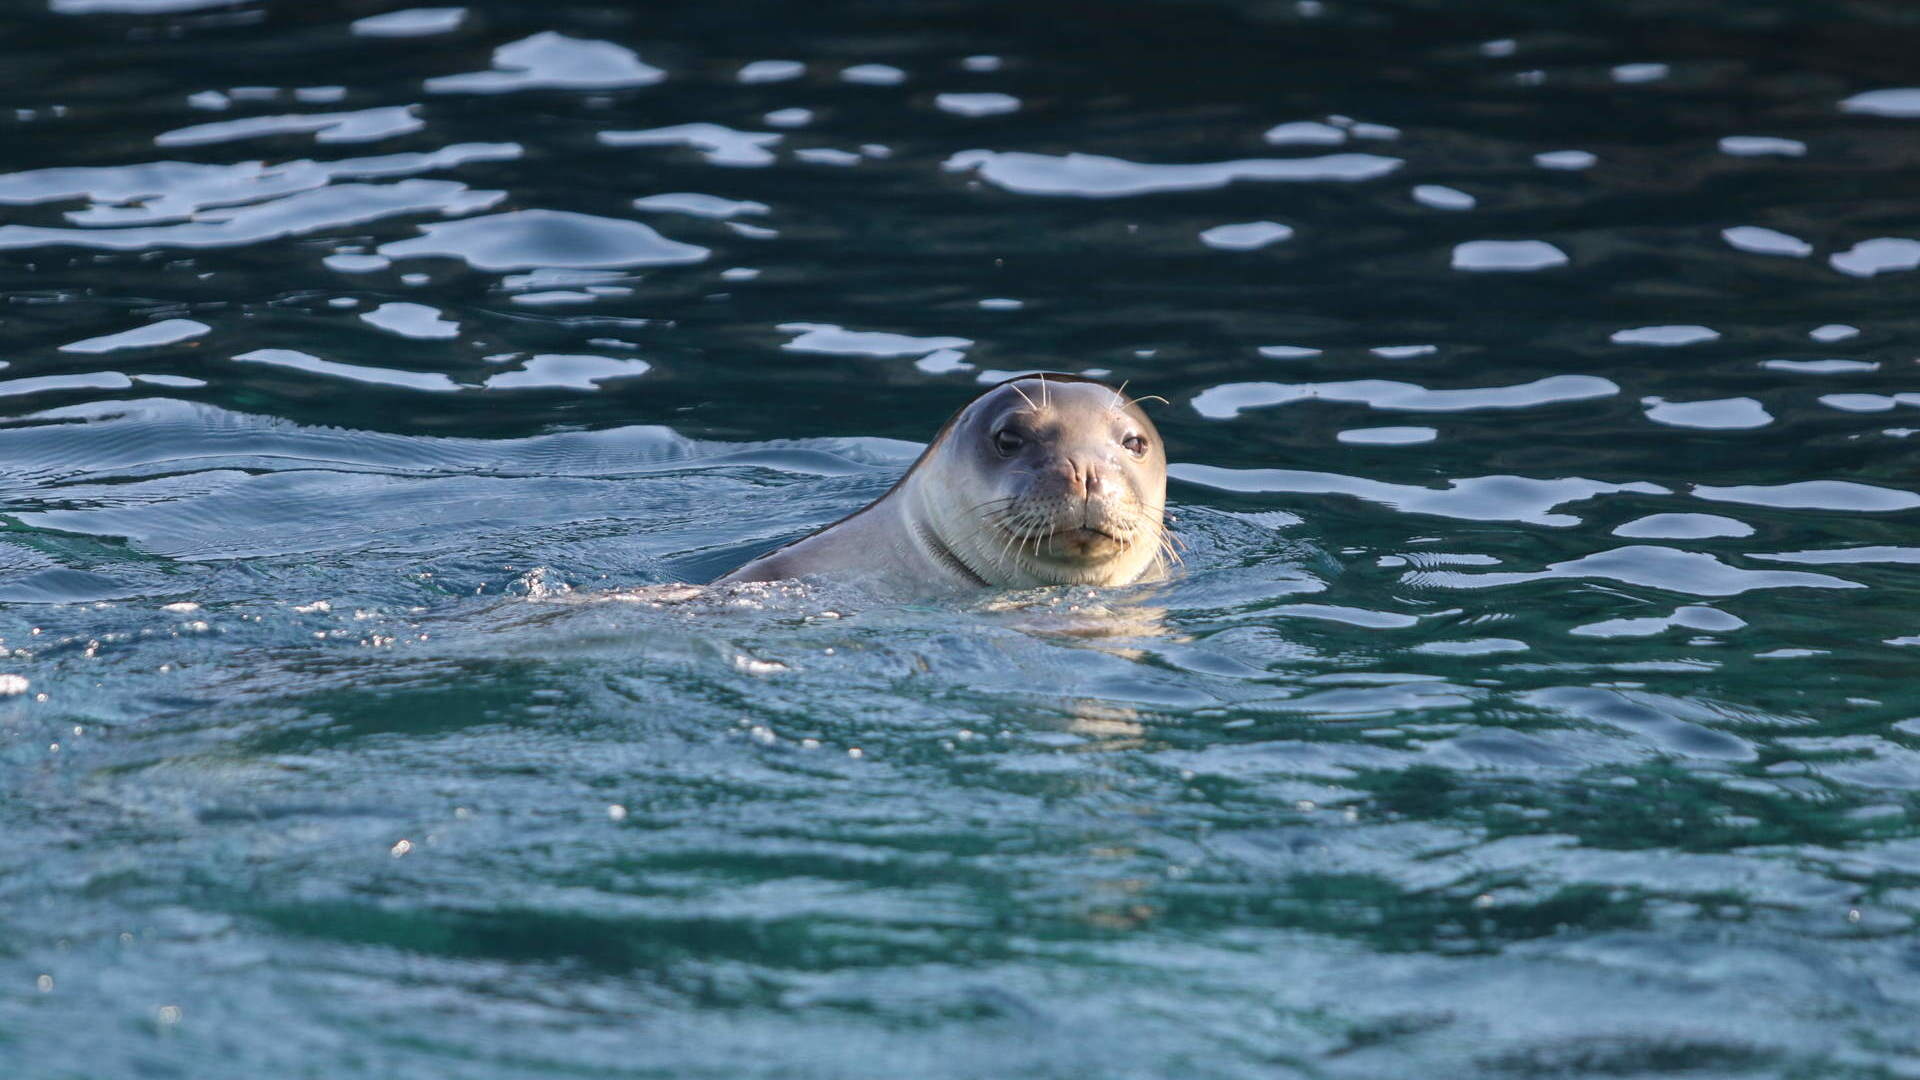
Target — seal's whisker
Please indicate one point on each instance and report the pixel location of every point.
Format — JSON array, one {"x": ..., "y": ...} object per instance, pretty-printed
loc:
[
  {"x": 1015, "y": 387},
  {"x": 1002, "y": 504},
  {"x": 1006, "y": 547},
  {"x": 1000, "y": 519}
]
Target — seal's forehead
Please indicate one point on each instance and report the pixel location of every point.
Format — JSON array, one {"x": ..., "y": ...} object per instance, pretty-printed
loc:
[{"x": 1056, "y": 397}]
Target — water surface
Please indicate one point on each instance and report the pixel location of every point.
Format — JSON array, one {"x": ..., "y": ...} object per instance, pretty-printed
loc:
[{"x": 1536, "y": 698}]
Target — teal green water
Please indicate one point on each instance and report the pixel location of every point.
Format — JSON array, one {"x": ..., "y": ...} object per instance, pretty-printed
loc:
[{"x": 1536, "y": 699}]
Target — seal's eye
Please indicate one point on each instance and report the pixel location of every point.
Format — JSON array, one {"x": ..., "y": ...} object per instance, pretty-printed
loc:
[
  {"x": 1135, "y": 444},
  {"x": 1008, "y": 442}
]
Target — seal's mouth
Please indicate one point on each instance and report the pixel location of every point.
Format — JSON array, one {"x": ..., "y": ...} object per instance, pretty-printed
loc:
[
  {"x": 1082, "y": 533},
  {"x": 1077, "y": 542}
]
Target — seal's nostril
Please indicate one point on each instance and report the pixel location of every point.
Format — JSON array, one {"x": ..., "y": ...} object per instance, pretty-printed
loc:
[
  {"x": 1074, "y": 477},
  {"x": 1082, "y": 479}
]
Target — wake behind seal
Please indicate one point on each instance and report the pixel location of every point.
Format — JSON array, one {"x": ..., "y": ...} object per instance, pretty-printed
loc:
[{"x": 1044, "y": 479}]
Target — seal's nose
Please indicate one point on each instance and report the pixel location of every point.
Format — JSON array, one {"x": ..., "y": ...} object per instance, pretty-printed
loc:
[{"x": 1082, "y": 477}]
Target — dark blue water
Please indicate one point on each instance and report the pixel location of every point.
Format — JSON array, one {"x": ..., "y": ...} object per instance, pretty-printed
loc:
[{"x": 1536, "y": 699}]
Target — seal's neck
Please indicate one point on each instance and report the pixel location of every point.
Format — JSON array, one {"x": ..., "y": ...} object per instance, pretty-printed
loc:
[
  {"x": 951, "y": 541},
  {"x": 946, "y": 556}
]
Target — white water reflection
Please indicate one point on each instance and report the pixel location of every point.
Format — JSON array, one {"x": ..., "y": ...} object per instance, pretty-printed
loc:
[
  {"x": 827, "y": 155},
  {"x": 164, "y": 192},
  {"x": 1517, "y": 255},
  {"x": 1442, "y": 197},
  {"x": 1813, "y": 495},
  {"x": 152, "y": 335},
  {"x": 1683, "y": 526},
  {"x": 1868, "y": 403},
  {"x": 1248, "y": 236},
  {"x": 1831, "y": 366},
  {"x": 131, "y": 7},
  {"x": 298, "y": 214},
  {"x": 1872, "y": 553},
  {"x": 411, "y": 22},
  {"x": 1719, "y": 414},
  {"x": 1762, "y": 146},
  {"x": 1387, "y": 436},
  {"x": 1229, "y": 401},
  {"x": 874, "y": 75},
  {"x": 366, "y": 125},
  {"x": 417, "y": 321},
  {"x": 1903, "y": 102},
  {"x": 1763, "y": 241},
  {"x": 1472, "y": 647},
  {"x": 717, "y": 144},
  {"x": 770, "y": 71},
  {"x": 1691, "y": 617},
  {"x": 552, "y": 61},
  {"x": 1305, "y": 133},
  {"x": 1668, "y": 336},
  {"x": 1479, "y": 498},
  {"x": 550, "y": 371},
  {"x": 1098, "y": 176},
  {"x": 828, "y": 338},
  {"x": 1884, "y": 255},
  {"x": 295, "y": 360},
  {"x": 89, "y": 380},
  {"x": 1566, "y": 160},
  {"x": 526, "y": 239},
  {"x": 978, "y": 104},
  {"x": 1350, "y": 616},
  {"x": 1691, "y": 572},
  {"x": 353, "y": 263},
  {"x": 1639, "y": 73},
  {"x": 706, "y": 206}
]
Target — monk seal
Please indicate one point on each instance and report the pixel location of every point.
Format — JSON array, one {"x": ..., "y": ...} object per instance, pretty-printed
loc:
[{"x": 1043, "y": 479}]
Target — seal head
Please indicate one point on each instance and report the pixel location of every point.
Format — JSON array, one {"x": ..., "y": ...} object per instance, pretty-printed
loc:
[{"x": 1042, "y": 480}]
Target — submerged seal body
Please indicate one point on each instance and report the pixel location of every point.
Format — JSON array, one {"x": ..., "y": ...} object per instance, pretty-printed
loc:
[{"x": 1041, "y": 480}]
